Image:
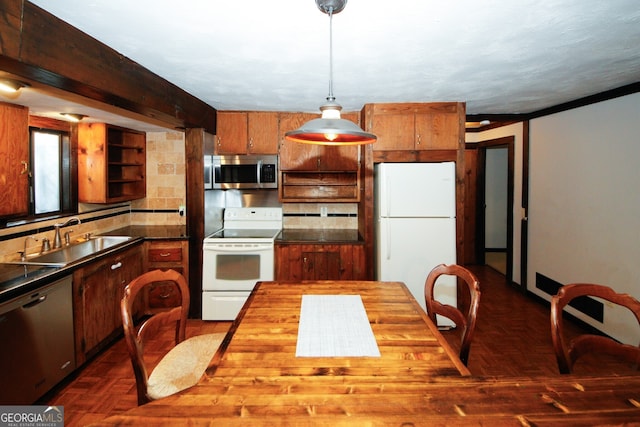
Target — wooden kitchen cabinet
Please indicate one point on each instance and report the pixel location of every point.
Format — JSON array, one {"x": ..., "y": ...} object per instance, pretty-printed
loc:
[
  {"x": 317, "y": 173},
  {"x": 320, "y": 262},
  {"x": 246, "y": 132},
  {"x": 164, "y": 255},
  {"x": 295, "y": 156},
  {"x": 97, "y": 291},
  {"x": 14, "y": 160},
  {"x": 415, "y": 126},
  {"x": 111, "y": 164}
]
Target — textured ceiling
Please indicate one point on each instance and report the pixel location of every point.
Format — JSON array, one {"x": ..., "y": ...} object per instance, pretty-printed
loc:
[{"x": 500, "y": 57}]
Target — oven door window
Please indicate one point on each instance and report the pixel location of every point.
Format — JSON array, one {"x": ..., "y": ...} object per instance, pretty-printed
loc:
[{"x": 238, "y": 266}]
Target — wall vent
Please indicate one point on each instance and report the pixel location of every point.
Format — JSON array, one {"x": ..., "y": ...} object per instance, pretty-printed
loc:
[{"x": 588, "y": 306}]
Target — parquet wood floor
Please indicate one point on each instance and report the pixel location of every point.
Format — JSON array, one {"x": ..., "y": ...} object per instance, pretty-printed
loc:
[
  {"x": 513, "y": 334},
  {"x": 512, "y": 338}
]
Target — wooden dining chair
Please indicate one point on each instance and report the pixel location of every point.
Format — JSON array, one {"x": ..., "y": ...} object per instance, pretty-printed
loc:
[
  {"x": 467, "y": 323},
  {"x": 183, "y": 365},
  {"x": 568, "y": 352}
]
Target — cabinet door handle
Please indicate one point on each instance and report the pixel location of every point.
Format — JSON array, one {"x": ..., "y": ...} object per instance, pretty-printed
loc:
[
  {"x": 25, "y": 167},
  {"x": 165, "y": 254},
  {"x": 116, "y": 266}
]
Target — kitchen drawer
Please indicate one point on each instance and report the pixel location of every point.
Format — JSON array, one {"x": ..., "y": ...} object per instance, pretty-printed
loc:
[
  {"x": 165, "y": 254},
  {"x": 163, "y": 295}
]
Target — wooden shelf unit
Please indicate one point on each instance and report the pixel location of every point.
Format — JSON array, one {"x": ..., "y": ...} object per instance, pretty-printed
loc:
[{"x": 111, "y": 163}]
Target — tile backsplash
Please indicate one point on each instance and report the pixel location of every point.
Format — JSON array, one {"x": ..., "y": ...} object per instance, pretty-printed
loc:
[
  {"x": 320, "y": 215},
  {"x": 166, "y": 181},
  {"x": 166, "y": 192},
  {"x": 12, "y": 240}
]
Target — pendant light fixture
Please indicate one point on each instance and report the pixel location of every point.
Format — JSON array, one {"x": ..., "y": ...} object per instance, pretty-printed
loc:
[{"x": 330, "y": 129}]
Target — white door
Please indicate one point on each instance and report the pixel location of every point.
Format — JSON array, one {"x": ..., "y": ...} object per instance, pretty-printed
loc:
[
  {"x": 416, "y": 189},
  {"x": 409, "y": 248}
]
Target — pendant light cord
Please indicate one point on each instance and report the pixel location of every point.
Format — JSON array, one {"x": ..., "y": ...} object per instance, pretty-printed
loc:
[{"x": 330, "y": 98}]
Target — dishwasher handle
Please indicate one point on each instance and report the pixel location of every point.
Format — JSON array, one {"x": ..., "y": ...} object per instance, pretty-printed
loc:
[{"x": 40, "y": 300}]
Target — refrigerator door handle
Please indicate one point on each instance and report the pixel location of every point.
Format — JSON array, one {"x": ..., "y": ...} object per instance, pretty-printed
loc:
[
  {"x": 387, "y": 202},
  {"x": 388, "y": 231},
  {"x": 384, "y": 192}
]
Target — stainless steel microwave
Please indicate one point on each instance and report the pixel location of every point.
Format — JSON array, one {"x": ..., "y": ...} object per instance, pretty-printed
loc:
[{"x": 242, "y": 171}]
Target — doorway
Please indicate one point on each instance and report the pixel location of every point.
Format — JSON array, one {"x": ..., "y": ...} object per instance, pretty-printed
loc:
[
  {"x": 490, "y": 172},
  {"x": 495, "y": 207}
]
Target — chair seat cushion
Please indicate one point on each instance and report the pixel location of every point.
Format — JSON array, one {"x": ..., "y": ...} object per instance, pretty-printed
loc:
[{"x": 183, "y": 366}]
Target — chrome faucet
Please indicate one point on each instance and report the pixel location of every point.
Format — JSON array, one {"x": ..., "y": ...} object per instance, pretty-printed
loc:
[
  {"x": 23, "y": 254},
  {"x": 57, "y": 240}
]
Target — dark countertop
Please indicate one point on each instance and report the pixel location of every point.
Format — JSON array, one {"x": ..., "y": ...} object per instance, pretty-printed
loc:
[
  {"x": 305, "y": 235},
  {"x": 150, "y": 232},
  {"x": 16, "y": 280}
]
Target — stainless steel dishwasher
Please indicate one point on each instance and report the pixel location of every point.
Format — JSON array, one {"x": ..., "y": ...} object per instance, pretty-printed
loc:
[{"x": 36, "y": 332}]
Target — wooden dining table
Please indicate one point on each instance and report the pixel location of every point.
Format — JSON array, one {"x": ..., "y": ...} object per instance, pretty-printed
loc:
[{"x": 256, "y": 377}]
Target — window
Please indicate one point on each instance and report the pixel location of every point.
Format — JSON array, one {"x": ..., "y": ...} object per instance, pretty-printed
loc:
[{"x": 50, "y": 186}]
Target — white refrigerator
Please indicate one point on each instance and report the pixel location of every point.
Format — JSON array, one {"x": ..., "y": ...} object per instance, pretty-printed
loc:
[{"x": 415, "y": 212}]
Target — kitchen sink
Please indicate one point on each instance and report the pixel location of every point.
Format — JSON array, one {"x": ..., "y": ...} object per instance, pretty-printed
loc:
[{"x": 74, "y": 252}]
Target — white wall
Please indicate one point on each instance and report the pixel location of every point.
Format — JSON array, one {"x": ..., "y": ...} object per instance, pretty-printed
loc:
[
  {"x": 584, "y": 203},
  {"x": 514, "y": 130}
]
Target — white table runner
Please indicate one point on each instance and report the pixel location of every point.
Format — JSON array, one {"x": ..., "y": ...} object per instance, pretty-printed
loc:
[{"x": 334, "y": 326}]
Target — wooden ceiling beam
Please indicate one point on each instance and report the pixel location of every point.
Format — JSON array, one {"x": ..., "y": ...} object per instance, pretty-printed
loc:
[{"x": 39, "y": 47}]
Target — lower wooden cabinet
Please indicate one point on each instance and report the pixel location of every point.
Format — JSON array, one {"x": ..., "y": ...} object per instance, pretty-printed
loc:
[
  {"x": 164, "y": 255},
  {"x": 97, "y": 290},
  {"x": 344, "y": 261}
]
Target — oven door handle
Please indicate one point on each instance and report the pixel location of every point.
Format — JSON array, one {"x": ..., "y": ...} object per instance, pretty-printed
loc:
[{"x": 238, "y": 248}]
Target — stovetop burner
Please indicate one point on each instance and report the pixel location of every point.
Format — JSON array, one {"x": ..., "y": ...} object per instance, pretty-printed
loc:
[
  {"x": 248, "y": 225},
  {"x": 243, "y": 233}
]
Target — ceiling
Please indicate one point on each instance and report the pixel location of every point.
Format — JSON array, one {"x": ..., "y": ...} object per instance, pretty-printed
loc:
[{"x": 499, "y": 57}]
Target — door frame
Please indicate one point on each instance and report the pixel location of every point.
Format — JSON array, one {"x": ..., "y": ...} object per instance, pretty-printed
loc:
[{"x": 507, "y": 142}]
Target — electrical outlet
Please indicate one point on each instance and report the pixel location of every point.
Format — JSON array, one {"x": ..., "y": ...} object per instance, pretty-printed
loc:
[
  {"x": 323, "y": 211},
  {"x": 181, "y": 210}
]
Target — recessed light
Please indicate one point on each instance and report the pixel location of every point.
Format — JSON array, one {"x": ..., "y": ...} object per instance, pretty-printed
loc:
[
  {"x": 73, "y": 116},
  {"x": 11, "y": 85}
]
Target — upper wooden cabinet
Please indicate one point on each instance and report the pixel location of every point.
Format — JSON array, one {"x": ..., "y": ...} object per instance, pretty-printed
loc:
[
  {"x": 252, "y": 132},
  {"x": 311, "y": 157},
  {"x": 14, "y": 160},
  {"x": 317, "y": 173},
  {"x": 415, "y": 126},
  {"x": 111, "y": 164}
]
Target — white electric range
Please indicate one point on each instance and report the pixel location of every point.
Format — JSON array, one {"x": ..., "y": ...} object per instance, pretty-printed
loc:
[{"x": 236, "y": 257}]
